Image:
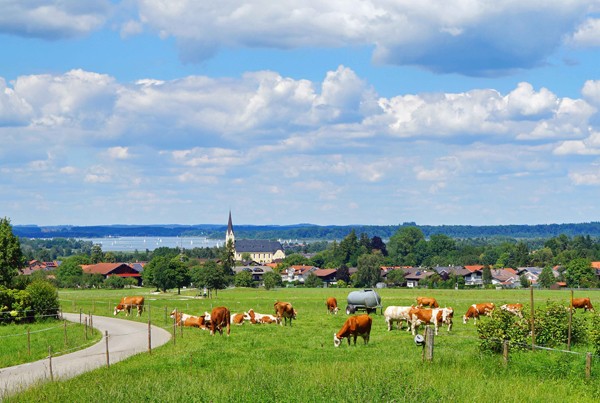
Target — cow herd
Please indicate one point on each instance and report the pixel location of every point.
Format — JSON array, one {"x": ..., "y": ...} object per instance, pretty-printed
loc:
[{"x": 359, "y": 325}]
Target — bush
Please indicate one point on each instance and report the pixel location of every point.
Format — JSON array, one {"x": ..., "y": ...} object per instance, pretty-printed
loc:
[
  {"x": 44, "y": 299},
  {"x": 503, "y": 326},
  {"x": 595, "y": 334},
  {"x": 114, "y": 282},
  {"x": 552, "y": 326},
  {"x": 14, "y": 304}
]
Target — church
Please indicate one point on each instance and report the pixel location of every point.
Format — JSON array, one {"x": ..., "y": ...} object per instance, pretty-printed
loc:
[{"x": 260, "y": 250}]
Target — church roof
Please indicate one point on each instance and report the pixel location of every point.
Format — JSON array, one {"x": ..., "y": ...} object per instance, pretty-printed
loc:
[{"x": 257, "y": 246}]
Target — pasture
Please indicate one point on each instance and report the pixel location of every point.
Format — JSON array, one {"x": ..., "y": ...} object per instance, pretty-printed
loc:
[{"x": 272, "y": 363}]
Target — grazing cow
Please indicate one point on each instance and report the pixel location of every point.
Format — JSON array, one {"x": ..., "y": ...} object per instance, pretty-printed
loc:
[
  {"x": 286, "y": 311},
  {"x": 427, "y": 301},
  {"x": 435, "y": 316},
  {"x": 397, "y": 314},
  {"x": 239, "y": 318},
  {"x": 515, "y": 309},
  {"x": 220, "y": 317},
  {"x": 478, "y": 309},
  {"x": 332, "y": 305},
  {"x": 355, "y": 326},
  {"x": 128, "y": 302},
  {"x": 584, "y": 303},
  {"x": 183, "y": 319}
]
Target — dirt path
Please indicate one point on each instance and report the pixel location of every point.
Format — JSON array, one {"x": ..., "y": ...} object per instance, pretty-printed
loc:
[{"x": 125, "y": 338}]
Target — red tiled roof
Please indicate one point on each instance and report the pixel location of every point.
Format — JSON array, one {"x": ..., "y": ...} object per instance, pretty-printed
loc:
[
  {"x": 324, "y": 272},
  {"x": 473, "y": 268},
  {"x": 596, "y": 265},
  {"x": 102, "y": 268}
]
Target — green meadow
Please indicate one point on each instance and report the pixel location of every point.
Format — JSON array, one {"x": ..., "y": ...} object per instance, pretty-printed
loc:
[{"x": 272, "y": 363}]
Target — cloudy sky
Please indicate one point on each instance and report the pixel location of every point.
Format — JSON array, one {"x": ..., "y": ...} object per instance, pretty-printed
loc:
[{"x": 324, "y": 112}]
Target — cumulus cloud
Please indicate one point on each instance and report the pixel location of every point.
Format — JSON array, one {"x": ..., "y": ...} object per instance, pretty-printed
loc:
[
  {"x": 587, "y": 34},
  {"x": 469, "y": 37},
  {"x": 53, "y": 20},
  {"x": 118, "y": 153}
]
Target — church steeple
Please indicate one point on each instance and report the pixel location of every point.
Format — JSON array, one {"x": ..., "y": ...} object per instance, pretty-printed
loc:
[{"x": 229, "y": 235}]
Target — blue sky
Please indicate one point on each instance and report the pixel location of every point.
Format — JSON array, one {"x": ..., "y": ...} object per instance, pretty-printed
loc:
[{"x": 340, "y": 112}]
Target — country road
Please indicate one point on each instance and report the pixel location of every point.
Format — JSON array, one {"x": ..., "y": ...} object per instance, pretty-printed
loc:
[{"x": 125, "y": 338}]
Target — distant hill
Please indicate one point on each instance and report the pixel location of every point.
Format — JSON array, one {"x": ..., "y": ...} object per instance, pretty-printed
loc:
[{"x": 307, "y": 231}]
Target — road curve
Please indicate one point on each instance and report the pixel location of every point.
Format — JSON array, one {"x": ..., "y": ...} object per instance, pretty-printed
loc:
[{"x": 125, "y": 338}]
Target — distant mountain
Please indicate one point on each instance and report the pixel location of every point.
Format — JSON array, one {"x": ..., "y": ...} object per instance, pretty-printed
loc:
[{"x": 307, "y": 231}]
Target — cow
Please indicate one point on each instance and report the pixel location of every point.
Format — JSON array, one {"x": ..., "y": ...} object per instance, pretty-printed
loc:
[
  {"x": 584, "y": 303},
  {"x": 220, "y": 317},
  {"x": 515, "y": 309},
  {"x": 259, "y": 318},
  {"x": 397, "y": 314},
  {"x": 128, "y": 302},
  {"x": 354, "y": 326},
  {"x": 427, "y": 301},
  {"x": 478, "y": 309},
  {"x": 284, "y": 311},
  {"x": 332, "y": 306},
  {"x": 239, "y": 318},
  {"x": 183, "y": 319},
  {"x": 435, "y": 316}
]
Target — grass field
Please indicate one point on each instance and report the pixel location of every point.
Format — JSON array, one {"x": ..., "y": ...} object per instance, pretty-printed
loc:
[
  {"x": 270, "y": 363},
  {"x": 16, "y": 348}
]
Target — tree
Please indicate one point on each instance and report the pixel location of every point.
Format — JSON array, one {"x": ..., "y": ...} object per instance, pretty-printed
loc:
[
  {"x": 546, "y": 278},
  {"x": 313, "y": 281},
  {"x": 378, "y": 244},
  {"x": 369, "y": 270},
  {"x": 243, "y": 279},
  {"x": 343, "y": 274},
  {"x": 524, "y": 280},
  {"x": 395, "y": 278},
  {"x": 407, "y": 246},
  {"x": 246, "y": 256},
  {"x": 210, "y": 276},
  {"x": 97, "y": 254},
  {"x": 486, "y": 275},
  {"x": 346, "y": 252},
  {"x": 579, "y": 273},
  {"x": 272, "y": 280},
  {"x": 69, "y": 273},
  {"x": 11, "y": 257},
  {"x": 228, "y": 258},
  {"x": 182, "y": 273},
  {"x": 44, "y": 298},
  {"x": 114, "y": 282}
]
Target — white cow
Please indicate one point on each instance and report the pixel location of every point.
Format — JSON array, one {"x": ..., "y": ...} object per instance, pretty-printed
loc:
[{"x": 397, "y": 314}]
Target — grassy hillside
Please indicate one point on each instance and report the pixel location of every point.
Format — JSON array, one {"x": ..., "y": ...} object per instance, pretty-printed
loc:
[{"x": 298, "y": 364}]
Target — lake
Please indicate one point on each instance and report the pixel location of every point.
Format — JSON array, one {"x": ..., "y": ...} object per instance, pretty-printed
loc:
[{"x": 131, "y": 243}]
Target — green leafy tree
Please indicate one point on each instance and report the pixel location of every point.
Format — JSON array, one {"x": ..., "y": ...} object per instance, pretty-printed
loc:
[
  {"x": 369, "y": 270},
  {"x": 546, "y": 278},
  {"x": 246, "y": 256},
  {"x": 69, "y": 273},
  {"x": 210, "y": 276},
  {"x": 486, "y": 275},
  {"x": 524, "y": 280},
  {"x": 579, "y": 273},
  {"x": 228, "y": 258},
  {"x": 378, "y": 244},
  {"x": 272, "y": 280},
  {"x": 114, "y": 282},
  {"x": 44, "y": 298},
  {"x": 11, "y": 257},
  {"x": 346, "y": 252},
  {"x": 343, "y": 274},
  {"x": 243, "y": 279},
  {"x": 97, "y": 254},
  {"x": 313, "y": 281},
  {"x": 182, "y": 273},
  {"x": 395, "y": 278},
  {"x": 407, "y": 246}
]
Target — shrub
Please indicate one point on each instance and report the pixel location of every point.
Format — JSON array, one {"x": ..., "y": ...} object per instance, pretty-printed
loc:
[
  {"x": 595, "y": 334},
  {"x": 503, "y": 326},
  {"x": 14, "y": 305},
  {"x": 44, "y": 299},
  {"x": 552, "y": 326},
  {"x": 114, "y": 282}
]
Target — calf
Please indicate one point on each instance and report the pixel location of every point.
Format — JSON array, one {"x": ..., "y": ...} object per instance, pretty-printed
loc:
[
  {"x": 239, "y": 318},
  {"x": 515, "y": 309},
  {"x": 397, "y": 314},
  {"x": 332, "y": 305},
  {"x": 220, "y": 317},
  {"x": 355, "y": 326},
  {"x": 584, "y": 303},
  {"x": 286, "y": 311},
  {"x": 435, "y": 316},
  {"x": 478, "y": 309},
  {"x": 127, "y": 303},
  {"x": 183, "y": 319},
  {"x": 427, "y": 301}
]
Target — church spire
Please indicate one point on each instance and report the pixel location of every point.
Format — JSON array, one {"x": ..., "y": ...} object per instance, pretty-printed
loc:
[{"x": 229, "y": 235}]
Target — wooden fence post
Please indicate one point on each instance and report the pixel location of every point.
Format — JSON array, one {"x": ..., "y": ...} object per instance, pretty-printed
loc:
[
  {"x": 80, "y": 316},
  {"x": 107, "y": 356},
  {"x": 588, "y": 365},
  {"x": 86, "y": 328},
  {"x": 65, "y": 331},
  {"x": 174, "y": 326},
  {"x": 28, "y": 341},
  {"x": 570, "y": 322},
  {"x": 50, "y": 362},
  {"x": 428, "y": 348},
  {"x": 149, "y": 337},
  {"x": 505, "y": 352},
  {"x": 165, "y": 314},
  {"x": 532, "y": 320}
]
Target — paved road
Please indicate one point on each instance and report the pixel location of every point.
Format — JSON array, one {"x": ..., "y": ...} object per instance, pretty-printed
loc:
[{"x": 125, "y": 338}]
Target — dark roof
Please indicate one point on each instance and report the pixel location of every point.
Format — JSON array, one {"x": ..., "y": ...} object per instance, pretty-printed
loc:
[{"x": 257, "y": 246}]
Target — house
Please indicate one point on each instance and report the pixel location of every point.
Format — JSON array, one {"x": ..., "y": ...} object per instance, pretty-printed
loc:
[
  {"x": 259, "y": 250},
  {"x": 596, "y": 266},
  {"x": 257, "y": 272},
  {"x": 414, "y": 275},
  {"x": 297, "y": 273},
  {"x": 35, "y": 265},
  {"x": 447, "y": 271},
  {"x": 327, "y": 275},
  {"x": 113, "y": 269},
  {"x": 475, "y": 275},
  {"x": 505, "y": 278}
]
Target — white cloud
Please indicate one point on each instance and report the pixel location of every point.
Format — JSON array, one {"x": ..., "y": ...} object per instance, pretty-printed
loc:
[
  {"x": 454, "y": 36},
  {"x": 587, "y": 34},
  {"x": 118, "y": 153},
  {"x": 591, "y": 91},
  {"x": 587, "y": 146},
  {"x": 53, "y": 20},
  {"x": 585, "y": 178}
]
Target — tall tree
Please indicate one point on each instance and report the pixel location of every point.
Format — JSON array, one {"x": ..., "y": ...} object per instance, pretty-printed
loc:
[
  {"x": 11, "y": 257},
  {"x": 486, "y": 275},
  {"x": 579, "y": 273},
  {"x": 546, "y": 278},
  {"x": 210, "y": 276},
  {"x": 228, "y": 258},
  {"x": 369, "y": 270},
  {"x": 343, "y": 274},
  {"x": 406, "y": 246},
  {"x": 97, "y": 254},
  {"x": 378, "y": 244}
]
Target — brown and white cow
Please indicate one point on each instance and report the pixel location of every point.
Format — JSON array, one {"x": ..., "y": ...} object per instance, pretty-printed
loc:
[
  {"x": 476, "y": 310},
  {"x": 127, "y": 303},
  {"x": 427, "y": 301},
  {"x": 284, "y": 311},
  {"x": 354, "y": 326},
  {"x": 259, "y": 318},
  {"x": 397, "y": 314},
  {"x": 515, "y": 309},
  {"x": 435, "y": 317},
  {"x": 220, "y": 318},
  {"x": 183, "y": 319},
  {"x": 583, "y": 303},
  {"x": 332, "y": 306},
  {"x": 239, "y": 318}
]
